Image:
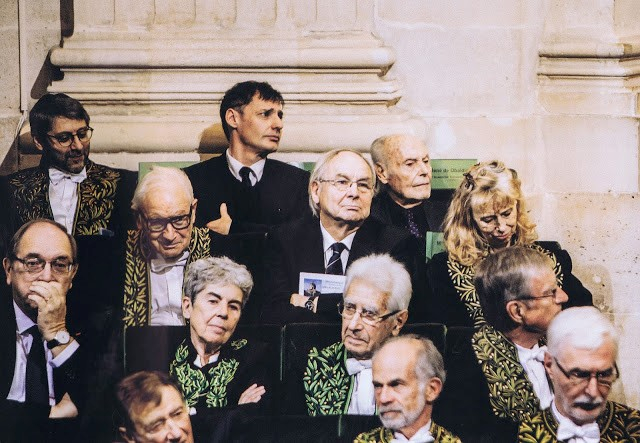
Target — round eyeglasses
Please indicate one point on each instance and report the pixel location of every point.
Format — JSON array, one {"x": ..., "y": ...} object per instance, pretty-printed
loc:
[
  {"x": 65, "y": 139},
  {"x": 349, "y": 310}
]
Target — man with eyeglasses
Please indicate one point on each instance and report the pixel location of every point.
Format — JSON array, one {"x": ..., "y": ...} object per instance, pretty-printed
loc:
[
  {"x": 88, "y": 199},
  {"x": 581, "y": 364},
  {"x": 158, "y": 252},
  {"x": 499, "y": 373},
  {"x": 40, "y": 372},
  {"x": 339, "y": 232},
  {"x": 338, "y": 378}
]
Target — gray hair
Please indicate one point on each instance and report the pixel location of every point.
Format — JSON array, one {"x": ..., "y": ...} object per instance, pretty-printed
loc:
[
  {"x": 429, "y": 362},
  {"x": 161, "y": 177},
  {"x": 583, "y": 327},
  {"x": 505, "y": 276},
  {"x": 320, "y": 168},
  {"x": 386, "y": 274},
  {"x": 217, "y": 271}
]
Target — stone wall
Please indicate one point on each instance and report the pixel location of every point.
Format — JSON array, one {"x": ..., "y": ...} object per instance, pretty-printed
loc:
[{"x": 549, "y": 87}]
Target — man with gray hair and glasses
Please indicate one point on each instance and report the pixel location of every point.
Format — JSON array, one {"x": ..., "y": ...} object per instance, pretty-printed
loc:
[
  {"x": 339, "y": 232},
  {"x": 165, "y": 242},
  {"x": 338, "y": 378},
  {"x": 408, "y": 374},
  {"x": 581, "y": 363}
]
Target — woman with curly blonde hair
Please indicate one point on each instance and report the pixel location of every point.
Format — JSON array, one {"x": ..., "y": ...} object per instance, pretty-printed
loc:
[{"x": 487, "y": 212}]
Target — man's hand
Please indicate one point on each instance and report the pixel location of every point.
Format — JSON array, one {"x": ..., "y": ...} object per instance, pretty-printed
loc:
[
  {"x": 253, "y": 394},
  {"x": 300, "y": 301},
  {"x": 52, "y": 307},
  {"x": 64, "y": 409},
  {"x": 223, "y": 224}
]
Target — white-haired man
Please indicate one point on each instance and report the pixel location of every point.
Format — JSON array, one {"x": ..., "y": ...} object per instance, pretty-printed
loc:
[
  {"x": 403, "y": 167},
  {"x": 338, "y": 378},
  {"x": 165, "y": 242},
  {"x": 341, "y": 231},
  {"x": 581, "y": 363},
  {"x": 408, "y": 374}
]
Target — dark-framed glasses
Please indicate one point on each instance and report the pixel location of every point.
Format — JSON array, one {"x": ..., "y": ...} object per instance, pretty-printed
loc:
[
  {"x": 349, "y": 310},
  {"x": 65, "y": 139},
  {"x": 579, "y": 376},
  {"x": 178, "y": 222},
  {"x": 342, "y": 184},
  {"x": 34, "y": 265}
]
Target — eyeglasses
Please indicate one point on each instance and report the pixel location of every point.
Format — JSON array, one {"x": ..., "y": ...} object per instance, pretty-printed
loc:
[
  {"x": 178, "y": 222},
  {"x": 343, "y": 184},
  {"x": 65, "y": 139},
  {"x": 555, "y": 293},
  {"x": 34, "y": 265},
  {"x": 578, "y": 376},
  {"x": 349, "y": 310}
]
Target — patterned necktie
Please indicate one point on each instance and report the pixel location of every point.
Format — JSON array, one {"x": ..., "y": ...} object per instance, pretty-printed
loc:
[
  {"x": 335, "y": 264},
  {"x": 412, "y": 225},
  {"x": 245, "y": 173},
  {"x": 36, "y": 385}
]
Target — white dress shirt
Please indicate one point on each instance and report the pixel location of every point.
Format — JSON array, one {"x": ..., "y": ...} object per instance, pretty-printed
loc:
[
  {"x": 212, "y": 359},
  {"x": 328, "y": 240},
  {"x": 423, "y": 435},
  {"x": 166, "y": 278},
  {"x": 256, "y": 169},
  {"x": 532, "y": 360},
  {"x": 24, "y": 341},
  {"x": 362, "y": 400},
  {"x": 63, "y": 195}
]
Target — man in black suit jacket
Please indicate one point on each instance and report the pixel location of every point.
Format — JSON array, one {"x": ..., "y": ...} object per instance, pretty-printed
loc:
[
  {"x": 242, "y": 190},
  {"x": 340, "y": 190},
  {"x": 403, "y": 167},
  {"x": 40, "y": 265}
]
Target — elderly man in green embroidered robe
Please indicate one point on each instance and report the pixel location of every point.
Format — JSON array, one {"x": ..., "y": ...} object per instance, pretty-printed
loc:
[
  {"x": 85, "y": 197},
  {"x": 408, "y": 374},
  {"x": 581, "y": 363},
  {"x": 338, "y": 378},
  {"x": 505, "y": 379},
  {"x": 165, "y": 242}
]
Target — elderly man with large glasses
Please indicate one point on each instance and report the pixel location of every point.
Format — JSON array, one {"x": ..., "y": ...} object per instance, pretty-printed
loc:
[
  {"x": 581, "y": 363},
  {"x": 338, "y": 378},
  {"x": 40, "y": 360},
  {"x": 339, "y": 232},
  {"x": 88, "y": 199},
  {"x": 165, "y": 242}
]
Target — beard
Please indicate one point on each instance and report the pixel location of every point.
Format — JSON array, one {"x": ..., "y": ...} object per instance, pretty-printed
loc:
[{"x": 404, "y": 418}]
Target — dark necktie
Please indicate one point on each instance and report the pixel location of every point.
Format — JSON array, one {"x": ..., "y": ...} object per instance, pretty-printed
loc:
[
  {"x": 245, "y": 173},
  {"x": 335, "y": 264},
  {"x": 36, "y": 385},
  {"x": 412, "y": 225}
]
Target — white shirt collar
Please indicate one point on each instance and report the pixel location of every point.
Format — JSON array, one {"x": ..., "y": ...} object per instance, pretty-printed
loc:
[
  {"x": 22, "y": 321},
  {"x": 328, "y": 240},
  {"x": 234, "y": 167},
  {"x": 214, "y": 358},
  {"x": 422, "y": 434}
]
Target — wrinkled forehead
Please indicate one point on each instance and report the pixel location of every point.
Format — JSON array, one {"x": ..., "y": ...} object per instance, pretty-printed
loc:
[
  {"x": 349, "y": 165},
  {"x": 405, "y": 147},
  {"x": 44, "y": 240},
  {"x": 168, "y": 196}
]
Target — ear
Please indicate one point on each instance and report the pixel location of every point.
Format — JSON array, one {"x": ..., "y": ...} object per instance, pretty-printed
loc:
[
  {"x": 434, "y": 387},
  {"x": 38, "y": 144},
  {"x": 401, "y": 319},
  {"x": 548, "y": 362},
  {"x": 381, "y": 173},
  {"x": 315, "y": 186},
  {"x": 186, "y": 307},
  {"x": 139, "y": 221},
  {"x": 232, "y": 118},
  {"x": 125, "y": 435},
  {"x": 514, "y": 311},
  {"x": 193, "y": 212},
  {"x": 6, "y": 264},
  {"x": 73, "y": 273}
]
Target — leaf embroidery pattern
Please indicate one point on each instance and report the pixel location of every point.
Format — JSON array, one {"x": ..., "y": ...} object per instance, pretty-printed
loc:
[
  {"x": 196, "y": 384},
  {"x": 511, "y": 393},
  {"x": 462, "y": 279},
  {"x": 327, "y": 384},
  {"x": 136, "y": 276},
  {"x": 385, "y": 435}
]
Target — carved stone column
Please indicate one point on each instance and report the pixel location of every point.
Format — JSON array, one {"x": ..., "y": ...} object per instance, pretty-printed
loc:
[{"x": 152, "y": 72}]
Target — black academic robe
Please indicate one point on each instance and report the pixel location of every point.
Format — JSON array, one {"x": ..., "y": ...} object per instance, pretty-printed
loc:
[{"x": 297, "y": 247}]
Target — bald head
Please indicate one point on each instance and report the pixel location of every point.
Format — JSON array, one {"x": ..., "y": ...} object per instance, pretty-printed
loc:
[{"x": 403, "y": 168}]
